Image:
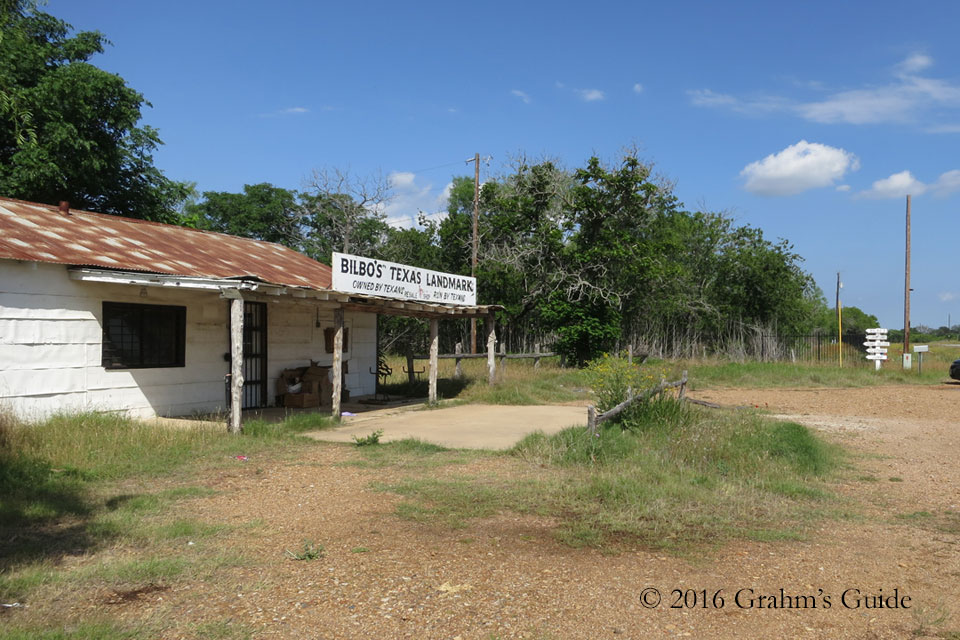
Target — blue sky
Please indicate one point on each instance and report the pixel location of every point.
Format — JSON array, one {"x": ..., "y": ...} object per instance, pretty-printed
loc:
[{"x": 810, "y": 120}]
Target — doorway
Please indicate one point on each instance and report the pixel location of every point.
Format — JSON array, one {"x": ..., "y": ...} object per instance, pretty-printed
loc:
[{"x": 254, "y": 355}]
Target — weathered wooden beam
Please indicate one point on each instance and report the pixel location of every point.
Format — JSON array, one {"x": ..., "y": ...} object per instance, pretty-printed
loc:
[
  {"x": 468, "y": 356},
  {"x": 406, "y": 310},
  {"x": 236, "y": 365},
  {"x": 337, "y": 362},
  {"x": 620, "y": 408},
  {"x": 434, "y": 348},
  {"x": 704, "y": 403},
  {"x": 491, "y": 345},
  {"x": 458, "y": 370}
]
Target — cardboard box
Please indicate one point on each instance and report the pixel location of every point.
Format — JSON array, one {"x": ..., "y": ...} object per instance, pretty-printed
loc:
[{"x": 301, "y": 400}]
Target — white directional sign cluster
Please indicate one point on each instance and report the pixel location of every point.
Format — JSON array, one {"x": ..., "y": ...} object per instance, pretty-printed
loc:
[{"x": 876, "y": 344}]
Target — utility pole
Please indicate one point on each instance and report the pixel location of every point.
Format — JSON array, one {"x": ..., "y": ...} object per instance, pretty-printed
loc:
[
  {"x": 906, "y": 297},
  {"x": 839, "y": 322},
  {"x": 473, "y": 264}
]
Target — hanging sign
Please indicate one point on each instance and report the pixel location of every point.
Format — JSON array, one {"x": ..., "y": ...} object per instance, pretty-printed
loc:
[{"x": 366, "y": 276}]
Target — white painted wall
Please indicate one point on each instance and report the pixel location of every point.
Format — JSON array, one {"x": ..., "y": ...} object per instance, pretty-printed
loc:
[
  {"x": 295, "y": 338},
  {"x": 50, "y": 347}
]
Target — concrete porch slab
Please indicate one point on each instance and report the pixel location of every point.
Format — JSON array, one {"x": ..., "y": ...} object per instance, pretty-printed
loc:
[{"x": 470, "y": 426}]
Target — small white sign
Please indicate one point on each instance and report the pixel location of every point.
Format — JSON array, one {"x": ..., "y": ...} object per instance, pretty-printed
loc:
[
  {"x": 366, "y": 276},
  {"x": 876, "y": 343},
  {"x": 921, "y": 348},
  {"x": 876, "y": 349},
  {"x": 877, "y": 356},
  {"x": 877, "y": 330}
]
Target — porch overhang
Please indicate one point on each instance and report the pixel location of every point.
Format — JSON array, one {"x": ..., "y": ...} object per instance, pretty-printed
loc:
[{"x": 240, "y": 289}]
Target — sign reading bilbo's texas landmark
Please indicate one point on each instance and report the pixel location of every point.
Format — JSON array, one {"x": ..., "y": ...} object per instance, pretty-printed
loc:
[{"x": 355, "y": 274}]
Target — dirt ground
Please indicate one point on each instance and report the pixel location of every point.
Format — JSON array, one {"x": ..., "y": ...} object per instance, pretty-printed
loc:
[{"x": 506, "y": 576}]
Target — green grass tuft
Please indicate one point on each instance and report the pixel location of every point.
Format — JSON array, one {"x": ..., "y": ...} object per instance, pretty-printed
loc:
[{"x": 671, "y": 477}]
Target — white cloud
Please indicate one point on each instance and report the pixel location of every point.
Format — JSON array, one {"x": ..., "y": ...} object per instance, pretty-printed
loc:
[
  {"x": 869, "y": 106},
  {"x": 947, "y": 183},
  {"x": 401, "y": 179},
  {"x": 903, "y": 183},
  {"x": 803, "y": 166},
  {"x": 522, "y": 95},
  {"x": 843, "y": 187},
  {"x": 947, "y": 296},
  {"x": 411, "y": 198},
  {"x": 638, "y": 88},
  {"x": 909, "y": 97},
  {"x": 288, "y": 111},
  {"x": 914, "y": 63},
  {"x": 895, "y": 186},
  {"x": 710, "y": 98},
  {"x": 757, "y": 105},
  {"x": 591, "y": 95}
]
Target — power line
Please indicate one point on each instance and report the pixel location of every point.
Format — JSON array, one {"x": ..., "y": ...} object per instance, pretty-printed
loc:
[
  {"x": 440, "y": 166},
  {"x": 485, "y": 160}
]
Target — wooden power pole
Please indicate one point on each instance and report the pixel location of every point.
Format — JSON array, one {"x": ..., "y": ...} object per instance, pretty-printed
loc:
[
  {"x": 906, "y": 296},
  {"x": 839, "y": 323},
  {"x": 473, "y": 263}
]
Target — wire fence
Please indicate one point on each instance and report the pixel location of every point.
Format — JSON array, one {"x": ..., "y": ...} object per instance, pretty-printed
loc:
[{"x": 811, "y": 348}]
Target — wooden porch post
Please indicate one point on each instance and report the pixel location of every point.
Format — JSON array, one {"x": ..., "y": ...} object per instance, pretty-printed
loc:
[
  {"x": 337, "y": 362},
  {"x": 434, "y": 352},
  {"x": 458, "y": 371},
  {"x": 236, "y": 364},
  {"x": 491, "y": 345}
]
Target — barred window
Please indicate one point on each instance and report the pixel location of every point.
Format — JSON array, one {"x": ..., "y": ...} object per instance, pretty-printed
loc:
[{"x": 140, "y": 336}]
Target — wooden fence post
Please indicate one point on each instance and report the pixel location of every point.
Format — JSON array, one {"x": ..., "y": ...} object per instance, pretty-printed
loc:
[
  {"x": 410, "y": 375},
  {"x": 503, "y": 359},
  {"x": 683, "y": 386},
  {"x": 536, "y": 361},
  {"x": 434, "y": 351},
  {"x": 592, "y": 420},
  {"x": 458, "y": 371}
]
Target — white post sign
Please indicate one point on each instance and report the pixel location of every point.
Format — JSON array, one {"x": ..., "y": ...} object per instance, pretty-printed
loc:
[
  {"x": 876, "y": 344},
  {"x": 366, "y": 276}
]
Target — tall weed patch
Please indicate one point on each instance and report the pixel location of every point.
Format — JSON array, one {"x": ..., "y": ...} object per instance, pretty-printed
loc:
[{"x": 675, "y": 476}]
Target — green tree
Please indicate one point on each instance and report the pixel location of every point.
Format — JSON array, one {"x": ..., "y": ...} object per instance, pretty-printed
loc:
[
  {"x": 855, "y": 320},
  {"x": 761, "y": 283},
  {"x": 70, "y": 130},
  {"x": 261, "y": 212}
]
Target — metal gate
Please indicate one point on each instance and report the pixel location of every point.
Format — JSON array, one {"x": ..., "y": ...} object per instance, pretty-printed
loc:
[{"x": 254, "y": 355}]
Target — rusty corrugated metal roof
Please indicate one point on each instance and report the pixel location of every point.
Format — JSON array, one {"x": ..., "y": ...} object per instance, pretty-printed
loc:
[{"x": 41, "y": 233}]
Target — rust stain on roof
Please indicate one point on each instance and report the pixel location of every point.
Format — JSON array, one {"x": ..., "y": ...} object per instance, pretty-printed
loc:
[{"x": 41, "y": 233}]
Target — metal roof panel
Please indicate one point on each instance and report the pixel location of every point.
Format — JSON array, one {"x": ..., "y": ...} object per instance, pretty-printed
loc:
[{"x": 42, "y": 233}]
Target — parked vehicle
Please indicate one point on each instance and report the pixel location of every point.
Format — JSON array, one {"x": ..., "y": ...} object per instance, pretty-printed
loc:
[{"x": 955, "y": 370}]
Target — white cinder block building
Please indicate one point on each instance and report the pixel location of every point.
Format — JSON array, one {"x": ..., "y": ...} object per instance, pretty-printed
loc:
[{"x": 101, "y": 313}]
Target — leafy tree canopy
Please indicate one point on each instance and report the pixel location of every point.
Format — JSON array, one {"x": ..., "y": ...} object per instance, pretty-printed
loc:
[{"x": 69, "y": 131}]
